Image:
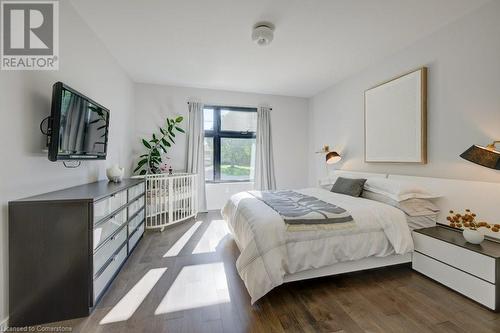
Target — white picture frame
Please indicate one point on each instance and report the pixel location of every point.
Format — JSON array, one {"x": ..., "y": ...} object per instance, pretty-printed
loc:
[{"x": 396, "y": 120}]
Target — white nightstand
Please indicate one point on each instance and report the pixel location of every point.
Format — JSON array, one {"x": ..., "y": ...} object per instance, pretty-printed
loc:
[{"x": 442, "y": 254}]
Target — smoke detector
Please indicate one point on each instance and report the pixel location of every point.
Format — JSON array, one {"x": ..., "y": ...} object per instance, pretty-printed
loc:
[{"x": 263, "y": 33}]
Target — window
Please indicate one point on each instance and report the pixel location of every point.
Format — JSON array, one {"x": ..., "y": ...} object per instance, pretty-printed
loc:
[{"x": 229, "y": 143}]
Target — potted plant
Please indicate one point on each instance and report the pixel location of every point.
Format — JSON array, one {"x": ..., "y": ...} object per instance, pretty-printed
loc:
[
  {"x": 467, "y": 222},
  {"x": 150, "y": 162}
]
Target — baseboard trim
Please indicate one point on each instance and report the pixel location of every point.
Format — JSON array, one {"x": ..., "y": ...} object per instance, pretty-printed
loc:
[{"x": 4, "y": 324}]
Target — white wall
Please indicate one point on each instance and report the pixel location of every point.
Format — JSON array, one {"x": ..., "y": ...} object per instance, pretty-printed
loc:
[
  {"x": 289, "y": 125},
  {"x": 463, "y": 101},
  {"x": 25, "y": 99}
]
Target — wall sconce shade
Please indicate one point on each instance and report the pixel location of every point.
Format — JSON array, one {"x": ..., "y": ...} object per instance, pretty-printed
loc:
[
  {"x": 332, "y": 157},
  {"x": 486, "y": 156}
]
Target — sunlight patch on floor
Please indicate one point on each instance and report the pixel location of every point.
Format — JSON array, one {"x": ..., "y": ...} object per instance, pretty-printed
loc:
[
  {"x": 181, "y": 242},
  {"x": 196, "y": 286},
  {"x": 211, "y": 238},
  {"x": 126, "y": 307}
]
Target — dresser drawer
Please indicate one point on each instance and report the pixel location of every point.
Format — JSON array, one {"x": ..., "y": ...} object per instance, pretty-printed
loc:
[
  {"x": 108, "y": 249},
  {"x": 466, "y": 284},
  {"x": 135, "y": 206},
  {"x": 135, "y": 237},
  {"x": 469, "y": 261},
  {"x": 105, "y": 229},
  {"x": 135, "y": 222},
  {"x": 107, "y": 206},
  {"x": 135, "y": 191},
  {"x": 105, "y": 277}
]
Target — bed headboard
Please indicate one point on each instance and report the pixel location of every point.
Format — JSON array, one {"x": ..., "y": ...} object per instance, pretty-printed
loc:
[
  {"x": 348, "y": 174},
  {"x": 483, "y": 198}
]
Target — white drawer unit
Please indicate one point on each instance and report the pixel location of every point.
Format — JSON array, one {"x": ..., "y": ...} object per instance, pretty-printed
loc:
[
  {"x": 134, "y": 238},
  {"x": 105, "y": 252},
  {"x": 106, "y": 228},
  {"x": 135, "y": 206},
  {"x": 135, "y": 191},
  {"x": 473, "y": 270},
  {"x": 135, "y": 221},
  {"x": 108, "y": 205},
  {"x": 106, "y": 275}
]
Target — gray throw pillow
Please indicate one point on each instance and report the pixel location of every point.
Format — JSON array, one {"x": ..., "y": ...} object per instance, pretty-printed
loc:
[{"x": 348, "y": 186}]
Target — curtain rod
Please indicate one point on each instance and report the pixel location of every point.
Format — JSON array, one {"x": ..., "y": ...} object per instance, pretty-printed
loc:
[{"x": 235, "y": 106}]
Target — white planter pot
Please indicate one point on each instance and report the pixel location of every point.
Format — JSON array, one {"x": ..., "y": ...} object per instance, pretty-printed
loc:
[{"x": 473, "y": 236}]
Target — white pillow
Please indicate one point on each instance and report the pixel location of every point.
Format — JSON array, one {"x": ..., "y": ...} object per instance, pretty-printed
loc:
[{"x": 398, "y": 190}]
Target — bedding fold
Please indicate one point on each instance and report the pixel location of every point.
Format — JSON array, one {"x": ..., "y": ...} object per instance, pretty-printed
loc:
[{"x": 302, "y": 212}]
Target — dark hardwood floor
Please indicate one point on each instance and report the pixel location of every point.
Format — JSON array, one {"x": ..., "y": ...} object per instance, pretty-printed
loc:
[{"x": 205, "y": 294}]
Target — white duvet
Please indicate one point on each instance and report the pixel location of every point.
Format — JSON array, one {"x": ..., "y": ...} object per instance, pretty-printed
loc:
[{"x": 269, "y": 252}]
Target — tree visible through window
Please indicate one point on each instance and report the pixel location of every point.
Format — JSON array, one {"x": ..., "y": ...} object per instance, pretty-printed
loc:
[{"x": 229, "y": 143}]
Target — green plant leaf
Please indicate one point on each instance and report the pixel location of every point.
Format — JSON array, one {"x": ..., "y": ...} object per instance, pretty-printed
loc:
[
  {"x": 146, "y": 144},
  {"x": 143, "y": 172},
  {"x": 179, "y": 129},
  {"x": 171, "y": 139},
  {"x": 179, "y": 119},
  {"x": 162, "y": 131}
]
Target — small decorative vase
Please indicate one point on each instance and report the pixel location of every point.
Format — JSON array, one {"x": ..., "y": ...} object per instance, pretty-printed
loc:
[
  {"x": 473, "y": 236},
  {"x": 115, "y": 173}
]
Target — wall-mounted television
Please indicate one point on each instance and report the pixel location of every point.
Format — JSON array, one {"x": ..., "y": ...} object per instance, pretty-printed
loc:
[{"x": 78, "y": 126}]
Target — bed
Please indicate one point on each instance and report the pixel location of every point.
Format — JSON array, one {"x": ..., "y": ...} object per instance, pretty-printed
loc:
[{"x": 272, "y": 255}]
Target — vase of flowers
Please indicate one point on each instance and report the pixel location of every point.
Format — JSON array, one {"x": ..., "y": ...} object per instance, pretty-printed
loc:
[
  {"x": 472, "y": 229},
  {"x": 473, "y": 236}
]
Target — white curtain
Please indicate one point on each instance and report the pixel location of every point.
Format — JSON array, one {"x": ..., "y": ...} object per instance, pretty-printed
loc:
[
  {"x": 195, "y": 150},
  {"x": 264, "y": 161}
]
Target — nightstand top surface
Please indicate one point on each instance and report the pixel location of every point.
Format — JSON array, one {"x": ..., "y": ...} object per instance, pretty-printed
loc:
[{"x": 455, "y": 237}]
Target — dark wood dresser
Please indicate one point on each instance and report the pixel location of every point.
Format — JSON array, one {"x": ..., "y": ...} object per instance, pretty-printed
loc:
[{"x": 66, "y": 247}]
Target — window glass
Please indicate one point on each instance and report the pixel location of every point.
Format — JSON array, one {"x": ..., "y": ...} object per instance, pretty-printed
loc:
[
  {"x": 239, "y": 121},
  {"x": 237, "y": 159},
  {"x": 208, "y": 119},
  {"x": 209, "y": 158}
]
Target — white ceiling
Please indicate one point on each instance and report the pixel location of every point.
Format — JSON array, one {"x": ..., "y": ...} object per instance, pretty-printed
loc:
[{"x": 207, "y": 43}]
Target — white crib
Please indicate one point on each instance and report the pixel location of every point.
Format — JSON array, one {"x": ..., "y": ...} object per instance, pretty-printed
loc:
[{"x": 170, "y": 199}]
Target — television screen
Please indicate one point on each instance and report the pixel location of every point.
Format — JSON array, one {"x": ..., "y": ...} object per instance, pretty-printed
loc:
[{"x": 79, "y": 126}]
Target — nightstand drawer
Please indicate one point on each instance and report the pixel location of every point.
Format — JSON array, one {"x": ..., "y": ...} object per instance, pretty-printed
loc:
[
  {"x": 474, "y": 263},
  {"x": 466, "y": 284}
]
